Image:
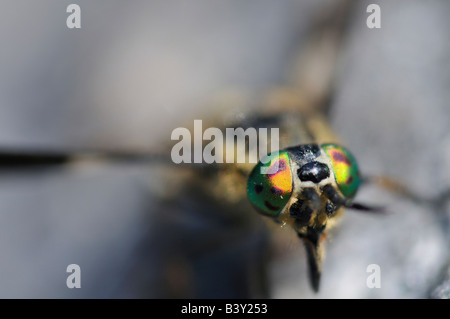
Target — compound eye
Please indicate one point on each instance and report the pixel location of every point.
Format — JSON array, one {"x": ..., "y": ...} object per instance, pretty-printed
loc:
[
  {"x": 269, "y": 185},
  {"x": 345, "y": 169}
]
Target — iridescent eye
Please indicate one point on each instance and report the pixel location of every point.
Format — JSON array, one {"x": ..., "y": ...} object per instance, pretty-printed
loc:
[
  {"x": 269, "y": 193},
  {"x": 345, "y": 169}
]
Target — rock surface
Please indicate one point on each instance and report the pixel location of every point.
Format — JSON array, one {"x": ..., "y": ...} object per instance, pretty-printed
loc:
[{"x": 134, "y": 72}]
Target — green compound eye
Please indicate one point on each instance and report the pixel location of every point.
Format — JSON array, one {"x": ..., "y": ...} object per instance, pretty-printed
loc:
[
  {"x": 345, "y": 169},
  {"x": 269, "y": 193}
]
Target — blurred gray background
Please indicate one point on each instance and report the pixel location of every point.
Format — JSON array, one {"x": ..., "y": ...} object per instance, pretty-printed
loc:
[{"x": 138, "y": 69}]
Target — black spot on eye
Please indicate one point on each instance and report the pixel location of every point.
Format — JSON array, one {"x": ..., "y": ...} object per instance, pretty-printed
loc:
[
  {"x": 349, "y": 180},
  {"x": 314, "y": 172},
  {"x": 270, "y": 206},
  {"x": 276, "y": 191},
  {"x": 281, "y": 166},
  {"x": 340, "y": 158},
  {"x": 258, "y": 188}
]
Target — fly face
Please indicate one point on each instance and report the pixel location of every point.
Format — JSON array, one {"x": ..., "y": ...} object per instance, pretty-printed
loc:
[
  {"x": 309, "y": 180},
  {"x": 308, "y": 189}
]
